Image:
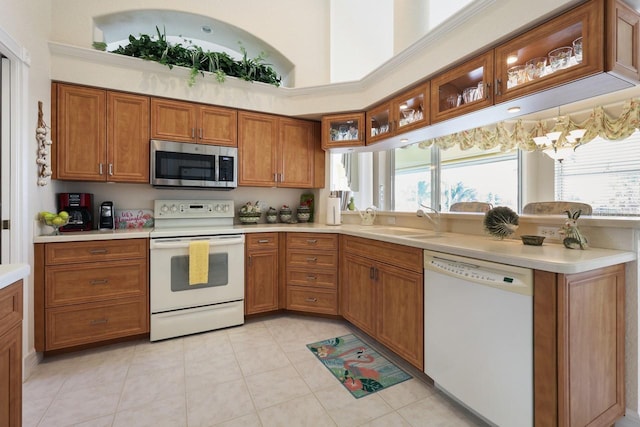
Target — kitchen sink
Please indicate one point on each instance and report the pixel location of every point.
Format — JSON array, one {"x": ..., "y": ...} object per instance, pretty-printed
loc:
[
  {"x": 409, "y": 233},
  {"x": 396, "y": 231}
]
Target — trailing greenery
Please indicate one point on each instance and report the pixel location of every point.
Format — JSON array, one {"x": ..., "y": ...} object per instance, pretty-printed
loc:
[{"x": 221, "y": 64}]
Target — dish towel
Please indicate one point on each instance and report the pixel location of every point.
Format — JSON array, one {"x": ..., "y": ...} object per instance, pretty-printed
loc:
[{"x": 198, "y": 262}]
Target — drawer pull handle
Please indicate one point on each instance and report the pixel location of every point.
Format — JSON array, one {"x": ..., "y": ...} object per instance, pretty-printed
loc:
[
  {"x": 99, "y": 282},
  {"x": 263, "y": 241},
  {"x": 312, "y": 259},
  {"x": 311, "y": 277},
  {"x": 99, "y": 322},
  {"x": 98, "y": 251},
  {"x": 311, "y": 299},
  {"x": 312, "y": 241}
]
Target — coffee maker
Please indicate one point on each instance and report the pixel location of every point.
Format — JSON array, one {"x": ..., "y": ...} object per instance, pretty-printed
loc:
[{"x": 80, "y": 209}]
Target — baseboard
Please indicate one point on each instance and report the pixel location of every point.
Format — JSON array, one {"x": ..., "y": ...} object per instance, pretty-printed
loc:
[
  {"x": 29, "y": 364},
  {"x": 630, "y": 419}
]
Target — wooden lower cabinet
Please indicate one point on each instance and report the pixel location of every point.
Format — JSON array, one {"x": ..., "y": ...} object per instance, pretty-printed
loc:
[
  {"x": 90, "y": 292},
  {"x": 358, "y": 299},
  {"x": 11, "y": 355},
  {"x": 579, "y": 348},
  {"x": 261, "y": 273},
  {"x": 312, "y": 272},
  {"x": 385, "y": 300}
]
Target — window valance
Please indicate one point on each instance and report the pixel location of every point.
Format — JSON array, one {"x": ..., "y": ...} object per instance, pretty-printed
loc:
[{"x": 563, "y": 132}]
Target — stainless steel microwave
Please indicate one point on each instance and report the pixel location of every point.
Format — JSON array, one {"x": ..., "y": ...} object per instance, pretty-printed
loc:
[{"x": 184, "y": 164}]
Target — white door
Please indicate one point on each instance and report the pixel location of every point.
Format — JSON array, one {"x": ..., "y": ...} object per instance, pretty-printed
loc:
[{"x": 5, "y": 159}]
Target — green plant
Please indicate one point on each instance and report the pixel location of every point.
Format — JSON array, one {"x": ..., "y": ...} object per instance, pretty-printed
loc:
[{"x": 220, "y": 64}]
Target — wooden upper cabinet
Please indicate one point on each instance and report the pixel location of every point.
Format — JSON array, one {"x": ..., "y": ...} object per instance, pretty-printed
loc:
[
  {"x": 188, "y": 122},
  {"x": 279, "y": 152},
  {"x": 623, "y": 38},
  {"x": 127, "y": 137},
  {"x": 296, "y": 149},
  {"x": 343, "y": 130},
  {"x": 411, "y": 109},
  {"x": 218, "y": 126},
  {"x": 101, "y": 135},
  {"x": 81, "y": 138},
  {"x": 257, "y": 149},
  {"x": 561, "y": 50},
  {"x": 463, "y": 89},
  {"x": 403, "y": 113},
  {"x": 173, "y": 120}
]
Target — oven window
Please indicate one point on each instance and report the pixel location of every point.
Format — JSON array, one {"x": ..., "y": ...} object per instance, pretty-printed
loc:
[
  {"x": 218, "y": 272},
  {"x": 172, "y": 165}
]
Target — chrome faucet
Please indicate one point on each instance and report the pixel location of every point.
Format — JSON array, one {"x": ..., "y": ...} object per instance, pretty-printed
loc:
[{"x": 435, "y": 222}]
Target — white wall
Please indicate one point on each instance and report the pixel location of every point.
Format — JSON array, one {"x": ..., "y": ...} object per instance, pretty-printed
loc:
[
  {"x": 297, "y": 29},
  {"x": 361, "y": 35},
  {"x": 26, "y": 25}
]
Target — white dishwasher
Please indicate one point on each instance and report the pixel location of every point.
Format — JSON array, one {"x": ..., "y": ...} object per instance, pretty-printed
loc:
[{"x": 478, "y": 326}]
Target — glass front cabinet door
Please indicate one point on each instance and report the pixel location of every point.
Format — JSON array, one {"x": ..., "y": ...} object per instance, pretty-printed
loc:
[
  {"x": 463, "y": 89},
  {"x": 343, "y": 130},
  {"x": 561, "y": 50},
  {"x": 405, "y": 112},
  {"x": 411, "y": 109}
]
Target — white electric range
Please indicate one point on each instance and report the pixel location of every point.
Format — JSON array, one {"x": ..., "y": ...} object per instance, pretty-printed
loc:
[{"x": 178, "y": 307}]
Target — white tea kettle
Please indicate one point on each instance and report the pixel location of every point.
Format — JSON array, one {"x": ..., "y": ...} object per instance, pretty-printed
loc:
[{"x": 368, "y": 216}]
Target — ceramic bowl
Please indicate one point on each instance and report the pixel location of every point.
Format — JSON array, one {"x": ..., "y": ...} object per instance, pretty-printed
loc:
[
  {"x": 532, "y": 240},
  {"x": 251, "y": 218}
]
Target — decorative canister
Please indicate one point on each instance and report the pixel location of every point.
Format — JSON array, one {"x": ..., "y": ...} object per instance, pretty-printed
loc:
[
  {"x": 303, "y": 213},
  {"x": 285, "y": 214},
  {"x": 272, "y": 216}
]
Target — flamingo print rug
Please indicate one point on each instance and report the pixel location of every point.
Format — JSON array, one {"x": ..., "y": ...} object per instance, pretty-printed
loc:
[{"x": 359, "y": 368}]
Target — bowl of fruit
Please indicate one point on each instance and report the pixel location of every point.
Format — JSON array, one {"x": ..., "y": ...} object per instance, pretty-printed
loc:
[{"x": 54, "y": 220}]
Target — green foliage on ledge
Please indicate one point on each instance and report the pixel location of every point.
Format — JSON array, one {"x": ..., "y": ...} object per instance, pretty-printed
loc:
[{"x": 221, "y": 64}]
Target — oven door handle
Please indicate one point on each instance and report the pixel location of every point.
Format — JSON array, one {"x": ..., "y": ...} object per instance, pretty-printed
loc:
[{"x": 179, "y": 243}]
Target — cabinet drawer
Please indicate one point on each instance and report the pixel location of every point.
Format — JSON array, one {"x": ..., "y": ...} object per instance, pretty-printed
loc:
[
  {"x": 312, "y": 278},
  {"x": 300, "y": 258},
  {"x": 261, "y": 240},
  {"x": 312, "y": 300},
  {"x": 10, "y": 306},
  {"x": 89, "y": 323},
  {"x": 96, "y": 250},
  {"x": 75, "y": 283},
  {"x": 312, "y": 241},
  {"x": 390, "y": 253}
]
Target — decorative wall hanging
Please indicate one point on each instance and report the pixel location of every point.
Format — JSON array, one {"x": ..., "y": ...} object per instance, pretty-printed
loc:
[{"x": 42, "y": 160}]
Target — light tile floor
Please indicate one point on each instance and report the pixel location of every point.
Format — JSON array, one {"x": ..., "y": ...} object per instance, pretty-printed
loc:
[{"x": 258, "y": 374}]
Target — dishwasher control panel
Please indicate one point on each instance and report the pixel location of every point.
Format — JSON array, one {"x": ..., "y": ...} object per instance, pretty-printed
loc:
[{"x": 506, "y": 277}]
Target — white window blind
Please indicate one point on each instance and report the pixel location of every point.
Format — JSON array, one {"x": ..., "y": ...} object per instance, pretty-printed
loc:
[{"x": 604, "y": 174}]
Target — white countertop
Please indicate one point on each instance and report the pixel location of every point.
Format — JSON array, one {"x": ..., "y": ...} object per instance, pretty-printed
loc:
[
  {"x": 10, "y": 273},
  {"x": 553, "y": 257}
]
